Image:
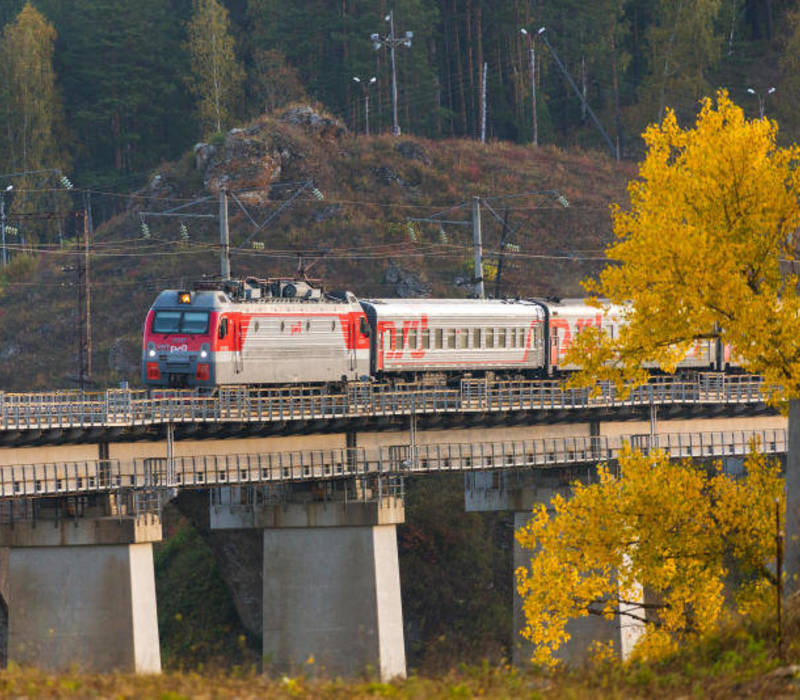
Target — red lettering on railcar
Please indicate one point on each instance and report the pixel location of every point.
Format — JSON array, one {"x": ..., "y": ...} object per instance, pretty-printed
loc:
[{"x": 422, "y": 327}]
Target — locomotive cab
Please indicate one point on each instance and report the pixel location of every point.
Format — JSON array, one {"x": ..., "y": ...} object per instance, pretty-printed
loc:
[{"x": 179, "y": 338}]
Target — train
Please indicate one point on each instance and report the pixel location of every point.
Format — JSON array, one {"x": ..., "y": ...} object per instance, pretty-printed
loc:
[{"x": 285, "y": 331}]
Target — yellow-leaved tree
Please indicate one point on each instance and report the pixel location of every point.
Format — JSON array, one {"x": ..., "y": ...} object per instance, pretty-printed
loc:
[
  {"x": 705, "y": 250},
  {"x": 670, "y": 528},
  {"x": 708, "y": 248}
]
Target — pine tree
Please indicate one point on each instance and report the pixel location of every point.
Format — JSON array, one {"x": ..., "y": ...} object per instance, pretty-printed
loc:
[
  {"x": 121, "y": 66},
  {"x": 216, "y": 76}
]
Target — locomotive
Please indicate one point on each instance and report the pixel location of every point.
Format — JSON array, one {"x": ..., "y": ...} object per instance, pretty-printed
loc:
[{"x": 286, "y": 332}]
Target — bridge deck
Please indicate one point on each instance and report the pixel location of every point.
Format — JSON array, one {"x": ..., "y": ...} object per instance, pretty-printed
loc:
[{"x": 122, "y": 408}]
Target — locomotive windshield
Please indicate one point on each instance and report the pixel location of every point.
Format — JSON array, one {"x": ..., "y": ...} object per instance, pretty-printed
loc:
[{"x": 193, "y": 322}]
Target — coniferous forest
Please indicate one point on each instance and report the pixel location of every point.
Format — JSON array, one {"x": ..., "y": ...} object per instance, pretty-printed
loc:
[{"x": 106, "y": 90}]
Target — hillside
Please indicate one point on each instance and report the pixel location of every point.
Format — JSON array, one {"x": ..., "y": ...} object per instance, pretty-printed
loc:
[{"x": 357, "y": 237}]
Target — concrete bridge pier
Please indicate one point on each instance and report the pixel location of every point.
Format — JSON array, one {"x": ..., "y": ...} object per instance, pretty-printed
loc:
[
  {"x": 331, "y": 577},
  {"x": 519, "y": 492},
  {"x": 79, "y": 592}
]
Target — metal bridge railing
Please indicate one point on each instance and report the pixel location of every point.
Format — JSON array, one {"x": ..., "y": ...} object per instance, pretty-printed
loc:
[
  {"x": 123, "y": 407},
  {"x": 158, "y": 473}
]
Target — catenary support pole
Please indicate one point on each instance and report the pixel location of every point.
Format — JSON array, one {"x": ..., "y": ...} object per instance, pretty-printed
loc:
[
  {"x": 224, "y": 236},
  {"x": 3, "y": 225},
  {"x": 477, "y": 246},
  {"x": 533, "y": 96}
]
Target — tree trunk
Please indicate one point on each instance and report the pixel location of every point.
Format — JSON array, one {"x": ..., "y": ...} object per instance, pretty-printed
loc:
[
  {"x": 480, "y": 61},
  {"x": 459, "y": 74},
  {"x": 792, "y": 539},
  {"x": 615, "y": 83},
  {"x": 468, "y": 38}
]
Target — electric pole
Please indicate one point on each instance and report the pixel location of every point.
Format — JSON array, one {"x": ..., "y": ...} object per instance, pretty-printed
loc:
[
  {"x": 3, "y": 226},
  {"x": 84, "y": 304},
  {"x": 365, "y": 89},
  {"x": 224, "y": 236},
  {"x": 477, "y": 246},
  {"x": 392, "y": 42}
]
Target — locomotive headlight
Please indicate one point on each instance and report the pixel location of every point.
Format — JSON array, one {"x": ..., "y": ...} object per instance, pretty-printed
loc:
[
  {"x": 151, "y": 352},
  {"x": 184, "y": 297},
  {"x": 204, "y": 354}
]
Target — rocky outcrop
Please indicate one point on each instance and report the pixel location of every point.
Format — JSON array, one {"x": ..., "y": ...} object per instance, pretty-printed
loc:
[
  {"x": 307, "y": 117},
  {"x": 406, "y": 284},
  {"x": 413, "y": 151},
  {"x": 240, "y": 161}
]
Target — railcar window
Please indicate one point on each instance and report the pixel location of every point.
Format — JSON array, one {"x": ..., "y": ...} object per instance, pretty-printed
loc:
[
  {"x": 490, "y": 337},
  {"x": 463, "y": 337},
  {"x": 167, "y": 322},
  {"x": 439, "y": 335},
  {"x": 194, "y": 322},
  {"x": 476, "y": 337},
  {"x": 412, "y": 339},
  {"x": 451, "y": 338},
  {"x": 426, "y": 339},
  {"x": 223, "y": 328},
  {"x": 501, "y": 337}
]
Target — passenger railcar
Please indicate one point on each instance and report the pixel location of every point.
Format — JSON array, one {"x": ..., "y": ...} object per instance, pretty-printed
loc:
[{"x": 444, "y": 336}]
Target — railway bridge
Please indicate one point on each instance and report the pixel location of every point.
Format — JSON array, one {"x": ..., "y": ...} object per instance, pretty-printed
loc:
[{"x": 320, "y": 477}]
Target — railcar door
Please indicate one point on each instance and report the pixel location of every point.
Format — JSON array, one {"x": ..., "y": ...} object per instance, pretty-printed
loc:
[
  {"x": 352, "y": 330},
  {"x": 237, "y": 347}
]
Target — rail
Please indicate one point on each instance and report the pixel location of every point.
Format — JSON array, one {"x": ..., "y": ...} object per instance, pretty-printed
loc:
[
  {"x": 203, "y": 471},
  {"x": 122, "y": 408}
]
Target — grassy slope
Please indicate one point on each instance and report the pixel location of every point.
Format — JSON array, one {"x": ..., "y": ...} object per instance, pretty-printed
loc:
[
  {"x": 740, "y": 663},
  {"x": 370, "y": 188}
]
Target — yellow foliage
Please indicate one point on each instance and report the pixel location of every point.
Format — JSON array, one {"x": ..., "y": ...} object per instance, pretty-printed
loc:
[
  {"x": 666, "y": 526},
  {"x": 704, "y": 249}
]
